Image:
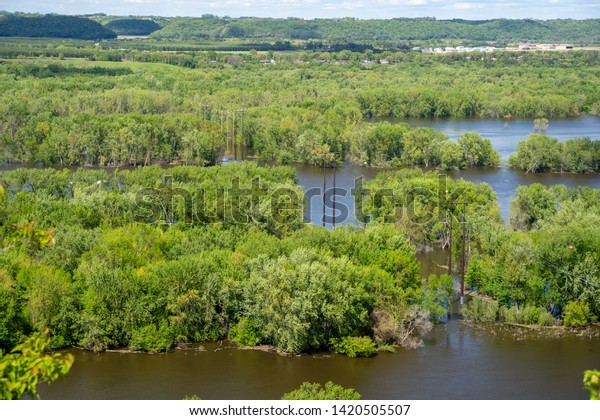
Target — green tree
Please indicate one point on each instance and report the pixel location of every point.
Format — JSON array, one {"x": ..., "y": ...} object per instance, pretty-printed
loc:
[
  {"x": 423, "y": 146},
  {"x": 13, "y": 322},
  {"x": 199, "y": 148},
  {"x": 538, "y": 153},
  {"x": 451, "y": 155},
  {"x": 50, "y": 302},
  {"x": 581, "y": 155},
  {"x": 532, "y": 204},
  {"x": 300, "y": 302},
  {"x": 478, "y": 151}
]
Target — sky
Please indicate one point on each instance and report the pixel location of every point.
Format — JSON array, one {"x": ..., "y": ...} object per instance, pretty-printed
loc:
[{"x": 440, "y": 9}]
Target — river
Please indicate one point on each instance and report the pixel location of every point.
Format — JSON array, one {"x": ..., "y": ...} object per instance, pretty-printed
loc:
[
  {"x": 505, "y": 134},
  {"x": 457, "y": 361}
]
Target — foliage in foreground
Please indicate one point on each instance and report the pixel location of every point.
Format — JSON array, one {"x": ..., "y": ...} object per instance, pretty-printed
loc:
[
  {"x": 316, "y": 391},
  {"x": 591, "y": 381},
  {"x": 26, "y": 366}
]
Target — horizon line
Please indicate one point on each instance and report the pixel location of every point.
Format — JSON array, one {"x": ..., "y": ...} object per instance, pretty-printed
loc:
[{"x": 215, "y": 16}]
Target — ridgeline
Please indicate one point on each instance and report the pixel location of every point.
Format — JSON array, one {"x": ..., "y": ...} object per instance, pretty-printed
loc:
[
  {"x": 101, "y": 26},
  {"x": 52, "y": 26},
  {"x": 498, "y": 30}
]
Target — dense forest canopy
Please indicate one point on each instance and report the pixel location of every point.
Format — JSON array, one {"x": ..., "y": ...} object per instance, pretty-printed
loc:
[
  {"x": 253, "y": 272},
  {"x": 383, "y": 29},
  {"x": 150, "y": 258},
  {"x": 190, "y": 108},
  {"x": 344, "y": 29},
  {"x": 52, "y": 26},
  {"x": 133, "y": 26},
  {"x": 545, "y": 265}
]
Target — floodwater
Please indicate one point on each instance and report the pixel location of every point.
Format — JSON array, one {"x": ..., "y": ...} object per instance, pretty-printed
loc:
[
  {"x": 457, "y": 361},
  {"x": 503, "y": 180},
  {"x": 505, "y": 134}
]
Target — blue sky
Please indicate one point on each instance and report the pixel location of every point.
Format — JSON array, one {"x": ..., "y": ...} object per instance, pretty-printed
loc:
[{"x": 466, "y": 9}]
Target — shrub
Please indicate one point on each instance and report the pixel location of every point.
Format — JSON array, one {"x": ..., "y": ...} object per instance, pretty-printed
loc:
[
  {"x": 354, "y": 346},
  {"x": 388, "y": 348},
  {"x": 479, "y": 310},
  {"x": 437, "y": 296},
  {"x": 245, "y": 333},
  {"x": 546, "y": 318},
  {"x": 152, "y": 339},
  {"x": 315, "y": 391},
  {"x": 529, "y": 315},
  {"x": 577, "y": 314}
]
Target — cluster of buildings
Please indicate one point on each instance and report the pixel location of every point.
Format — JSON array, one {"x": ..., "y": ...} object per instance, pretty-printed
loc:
[
  {"x": 486, "y": 48},
  {"x": 543, "y": 47},
  {"x": 459, "y": 49}
]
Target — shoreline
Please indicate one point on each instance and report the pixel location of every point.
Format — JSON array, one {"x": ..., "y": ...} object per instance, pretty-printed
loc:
[{"x": 520, "y": 332}]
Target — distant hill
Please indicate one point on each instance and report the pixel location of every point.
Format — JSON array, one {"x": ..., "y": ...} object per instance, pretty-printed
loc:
[
  {"x": 52, "y": 26},
  {"x": 133, "y": 26},
  {"x": 350, "y": 29},
  {"x": 346, "y": 30}
]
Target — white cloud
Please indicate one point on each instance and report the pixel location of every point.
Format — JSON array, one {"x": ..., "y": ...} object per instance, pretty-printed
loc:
[
  {"x": 142, "y": 1},
  {"x": 466, "y": 6},
  {"x": 346, "y": 5},
  {"x": 402, "y": 2}
]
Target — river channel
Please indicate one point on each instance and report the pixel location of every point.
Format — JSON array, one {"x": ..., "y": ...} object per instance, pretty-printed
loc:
[
  {"x": 504, "y": 136},
  {"x": 457, "y": 361}
]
